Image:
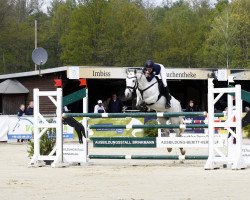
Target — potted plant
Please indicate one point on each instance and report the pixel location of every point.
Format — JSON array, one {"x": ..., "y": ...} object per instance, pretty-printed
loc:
[
  {"x": 151, "y": 132},
  {"x": 47, "y": 143},
  {"x": 247, "y": 130}
]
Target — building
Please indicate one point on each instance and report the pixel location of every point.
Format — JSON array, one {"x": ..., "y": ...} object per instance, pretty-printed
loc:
[{"x": 184, "y": 84}]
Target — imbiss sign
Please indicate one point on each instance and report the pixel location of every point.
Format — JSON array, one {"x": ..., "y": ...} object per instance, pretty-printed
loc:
[{"x": 94, "y": 72}]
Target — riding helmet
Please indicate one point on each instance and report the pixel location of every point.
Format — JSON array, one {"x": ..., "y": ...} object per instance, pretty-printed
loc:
[{"x": 149, "y": 64}]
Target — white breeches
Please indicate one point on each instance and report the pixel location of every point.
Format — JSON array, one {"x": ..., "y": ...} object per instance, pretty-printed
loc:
[{"x": 163, "y": 74}]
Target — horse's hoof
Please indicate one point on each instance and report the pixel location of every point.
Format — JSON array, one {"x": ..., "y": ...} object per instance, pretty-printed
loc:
[
  {"x": 169, "y": 149},
  {"x": 183, "y": 152}
]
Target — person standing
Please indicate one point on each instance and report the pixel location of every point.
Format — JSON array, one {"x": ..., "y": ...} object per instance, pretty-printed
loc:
[
  {"x": 150, "y": 70},
  {"x": 191, "y": 107},
  {"x": 30, "y": 108},
  {"x": 20, "y": 113},
  {"x": 115, "y": 104},
  {"x": 21, "y": 110},
  {"x": 99, "y": 108}
]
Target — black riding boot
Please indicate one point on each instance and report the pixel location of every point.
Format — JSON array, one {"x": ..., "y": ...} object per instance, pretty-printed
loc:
[{"x": 168, "y": 97}]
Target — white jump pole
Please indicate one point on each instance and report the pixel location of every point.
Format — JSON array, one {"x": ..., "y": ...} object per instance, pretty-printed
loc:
[
  {"x": 59, "y": 131},
  {"x": 36, "y": 129},
  {"x": 234, "y": 156},
  {"x": 210, "y": 164},
  {"x": 239, "y": 162}
]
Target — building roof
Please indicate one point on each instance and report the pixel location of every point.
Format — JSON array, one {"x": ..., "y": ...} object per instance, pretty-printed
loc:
[
  {"x": 33, "y": 73},
  {"x": 11, "y": 86}
]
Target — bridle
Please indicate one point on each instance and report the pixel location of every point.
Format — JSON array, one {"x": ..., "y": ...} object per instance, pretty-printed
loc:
[
  {"x": 132, "y": 89},
  {"x": 136, "y": 86}
]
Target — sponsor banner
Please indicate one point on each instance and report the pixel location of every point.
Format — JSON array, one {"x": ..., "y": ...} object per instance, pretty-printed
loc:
[
  {"x": 14, "y": 127},
  {"x": 102, "y": 132},
  {"x": 240, "y": 74},
  {"x": 94, "y": 72},
  {"x": 20, "y": 136},
  {"x": 120, "y": 73},
  {"x": 102, "y": 72},
  {"x": 75, "y": 152},
  {"x": 188, "y": 73},
  {"x": 190, "y": 140},
  {"x": 20, "y": 127},
  {"x": 124, "y": 142},
  {"x": 4, "y": 127},
  {"x": 246, "y": 153}
]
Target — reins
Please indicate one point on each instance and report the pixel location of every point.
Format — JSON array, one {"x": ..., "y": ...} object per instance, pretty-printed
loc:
[{"x": 136, "y": 86}]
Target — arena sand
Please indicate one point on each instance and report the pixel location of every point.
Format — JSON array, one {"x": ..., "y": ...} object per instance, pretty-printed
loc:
[{"x": 118, "y": 179}]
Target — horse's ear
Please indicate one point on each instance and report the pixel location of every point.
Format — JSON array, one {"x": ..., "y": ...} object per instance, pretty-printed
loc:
[
  {"x": 127, "y": 71},
  {"x": 135, "y": 71}
]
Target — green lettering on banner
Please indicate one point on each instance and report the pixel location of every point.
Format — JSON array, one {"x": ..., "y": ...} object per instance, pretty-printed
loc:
[{"x": 124, "y": 142}]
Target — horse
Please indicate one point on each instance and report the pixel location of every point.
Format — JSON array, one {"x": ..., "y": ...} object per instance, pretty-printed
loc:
[
  {"x": 148, "y": 94},
  {"x": 79, "y": 128}
]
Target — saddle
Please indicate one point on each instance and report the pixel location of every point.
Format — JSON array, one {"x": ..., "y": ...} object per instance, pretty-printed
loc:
[{"x": 160, "y": 88}]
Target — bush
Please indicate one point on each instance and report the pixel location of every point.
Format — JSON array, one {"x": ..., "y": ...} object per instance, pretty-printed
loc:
[
  {"x": 47, "y": 143},
  {"x": 247, "y": 129},
  {"x": 151, "y": 132}
]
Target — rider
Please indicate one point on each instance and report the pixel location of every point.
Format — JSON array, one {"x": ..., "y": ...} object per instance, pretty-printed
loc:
[{"x": 150, "y": 70}]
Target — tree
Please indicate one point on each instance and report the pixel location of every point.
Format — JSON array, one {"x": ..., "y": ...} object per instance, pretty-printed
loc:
[
  {"x": 179, "y": 36},
  {"x": 227, "y": 43},
  {"x": 106, "y": 33}
]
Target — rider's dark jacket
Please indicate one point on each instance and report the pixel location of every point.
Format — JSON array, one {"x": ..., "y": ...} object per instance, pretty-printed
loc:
[{"x": 156, "y": 71}]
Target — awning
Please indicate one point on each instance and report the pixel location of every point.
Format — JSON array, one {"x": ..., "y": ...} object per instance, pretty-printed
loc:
[{"x": 12, "y": 87}]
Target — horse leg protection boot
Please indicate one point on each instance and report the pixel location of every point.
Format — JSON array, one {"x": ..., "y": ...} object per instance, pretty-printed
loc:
[{"x": 168, "y": 97}]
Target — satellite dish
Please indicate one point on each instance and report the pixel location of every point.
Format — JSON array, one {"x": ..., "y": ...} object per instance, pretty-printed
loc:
[{"x": 39, "y": 56}]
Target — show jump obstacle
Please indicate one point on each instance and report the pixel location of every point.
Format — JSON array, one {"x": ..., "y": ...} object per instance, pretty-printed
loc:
[
  {"x": 215, "y": 159},
  {"x": 41, "y": 125}
]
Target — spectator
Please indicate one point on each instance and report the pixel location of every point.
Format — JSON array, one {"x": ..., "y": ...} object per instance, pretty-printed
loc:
[
  {"x": 246, "y": 118},
  {"x": 247, "y": 109},
  {"x": 115, "y": 105},
  {"x": 106, "y": 103},
  {"x": 21, "y": 110},
  {"x": 19, "y": 114},
  {"x": 29, "y": 110},
  {"x": 191, "y": 107},
  {"x": 99, "y": 108}
]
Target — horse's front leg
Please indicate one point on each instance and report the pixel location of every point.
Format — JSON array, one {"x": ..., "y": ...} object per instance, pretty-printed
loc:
[
  {"x": 180, "y": 131},
  {"x": 139, "y": 100},
  {"x": 165, "y": 130}
]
